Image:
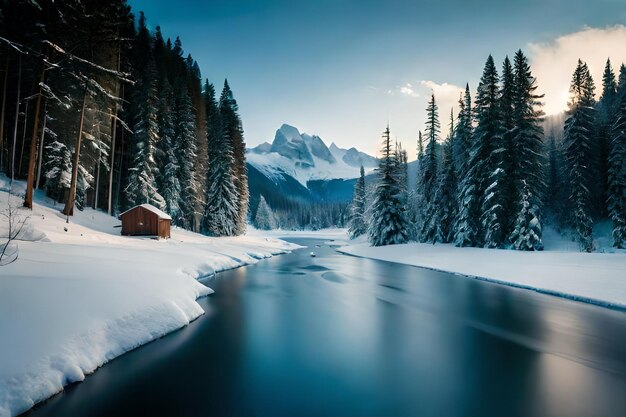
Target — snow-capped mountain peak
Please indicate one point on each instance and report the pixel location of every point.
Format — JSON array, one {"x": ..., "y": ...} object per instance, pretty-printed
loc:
[{"x": 306, "y": 157}]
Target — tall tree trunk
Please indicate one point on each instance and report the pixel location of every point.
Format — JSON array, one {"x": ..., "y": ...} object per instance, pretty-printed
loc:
[
  {"x": 4, "y": 101},
  {"x": 68, "y": 210},
  {"x": 113, "y": 133},
  {"x": 17, "y": 113},
  {"x": 120, "y": 165},
  {"x": 28, "y": 198},
  {"x": 95, "y": 200},
  {"x": 41, "y": 144},
  {"x": 19, "y": 167}
]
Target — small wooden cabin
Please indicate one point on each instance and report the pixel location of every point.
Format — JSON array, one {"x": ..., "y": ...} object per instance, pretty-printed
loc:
[{"x": 146, "y": 220}]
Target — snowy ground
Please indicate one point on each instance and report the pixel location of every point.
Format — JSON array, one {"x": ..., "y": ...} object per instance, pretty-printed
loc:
[
  {"x": 78, "y": 298},
  {"x": 598, "y": 278}
]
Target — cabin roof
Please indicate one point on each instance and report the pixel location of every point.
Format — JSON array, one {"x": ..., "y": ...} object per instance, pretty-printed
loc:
[{"x": 151, "y": 208}]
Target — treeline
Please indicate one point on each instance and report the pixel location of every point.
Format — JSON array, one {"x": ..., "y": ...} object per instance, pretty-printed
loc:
[
  {"x": 495, "y": 180},
  {"x": 99, "y": 111},
  {"x": 299, "y": 215}
]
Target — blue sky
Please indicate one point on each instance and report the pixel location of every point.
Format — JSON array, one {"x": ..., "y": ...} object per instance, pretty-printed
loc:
[{"x": 343, "y": 68}]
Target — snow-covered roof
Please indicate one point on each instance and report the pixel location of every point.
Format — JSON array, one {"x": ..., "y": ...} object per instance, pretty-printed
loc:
[{"x": 151, "y": 208}]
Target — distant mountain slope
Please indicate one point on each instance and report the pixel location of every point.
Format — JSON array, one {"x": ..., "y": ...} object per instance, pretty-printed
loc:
[{"x": 353, "y": 157}]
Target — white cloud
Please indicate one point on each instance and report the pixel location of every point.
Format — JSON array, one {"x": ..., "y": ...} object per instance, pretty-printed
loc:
[
  {"x": 446, "y": 97},
  {"x": 408, "y": 90},
  {"x": 553, "y": 62}
]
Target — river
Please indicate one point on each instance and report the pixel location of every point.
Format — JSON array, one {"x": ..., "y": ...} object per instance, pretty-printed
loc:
[{"x": 336, "y": 335}]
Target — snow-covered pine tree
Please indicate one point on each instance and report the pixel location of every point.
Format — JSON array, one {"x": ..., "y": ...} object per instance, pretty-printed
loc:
[
  {"x": 616, "y": 200},
  {"x": 428, "y": 178},
  {"x": 201, "y": 164},
  {"x": 216, "y": 168},
  {"x": 58, "y": 173},
  {"x": 185, "y": 140},
  {"x": 605, "y": 118},
  {"x": 357, "y": 223},
  {"x": 221, "y": 209},
  {"x": 446, "y": 189},
  {"x": 507, "y": 99},
  {"x": 264, "y": 218},
  {"x": 169, "y": 184},
  {"x": 414, "y": 195},
  {"x": 57, "y": 169},
  {"x": 487, "y": 159},
  {"x": 388, "y": 224},
  {"x": 527, "y": 232},
  {"x": 475, "y": 181},
  {"x": 463, "y": 133},
  {"x": 577, "y": 148},
  {"x": 528, "y": 162},
  {"x": 213, "y": 126},
  {"x": 466, "y": 223},
  {"x": 621, "y": 87},
  {"x": 233, "y": 130},
  {"x": 402, "y": 170},
  {"x": 141, "y": 184}
]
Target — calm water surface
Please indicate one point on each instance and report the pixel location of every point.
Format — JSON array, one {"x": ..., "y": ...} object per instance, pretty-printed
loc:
[{"x": 337, "y": 335}]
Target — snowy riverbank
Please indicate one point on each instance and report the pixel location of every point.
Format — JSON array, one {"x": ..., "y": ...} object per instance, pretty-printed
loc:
[
  {"x": 597, "y": 278},
  {"x": 77, "y": 298}
]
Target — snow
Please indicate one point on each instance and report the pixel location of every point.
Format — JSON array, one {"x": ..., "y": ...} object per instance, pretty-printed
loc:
[
  {"x": 76, "y": 299},
  {"x": 273, "y": 165},
  {"x": 289, "y": 158},
  {"x": 561, "y": 270},
  {"x": 152, "y": 209}
]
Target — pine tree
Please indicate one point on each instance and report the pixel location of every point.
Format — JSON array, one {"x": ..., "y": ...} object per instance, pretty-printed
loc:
[
  {"x": 463, "y": 133},
  {"x": 415, "y": 205},
  {"x": 617, "y": 173},
  {"x": 507, "y": 113},
  {"x": 577, "y": 147},
  {"x": 141, "y": 183},
  {"x": 446, "y": 190},
  {"x": 57, "y": 169},
  {"x": 169, "y": 184},
  {"x": 527, "y": 232},
  {"x": 388, "y": 224},
  {"x": 213, "y": 126},
  {"x": 428, "y": 179},
  {"x": 487, "y": 161},
  {"x": 528, "y": 161},
  {"x": 477, "y": 169},
  {"x": 605, "y": 118},
  {"x": 185, "y": 137},
  {"x": 621, "y": 87},
  {"x": 221, "y": 208},
  {"x": 221, "y": 199},
  {"x": 357, "y": 223},
  {"x": 465, "y": 224},
  {"x": 232, "y": 129},
  {"x": 264, "y": 218},
  {"x": 402, "y": 170}
]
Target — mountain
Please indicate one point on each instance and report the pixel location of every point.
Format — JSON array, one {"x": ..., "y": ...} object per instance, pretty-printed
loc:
[
  {"x": 298, "y": 170},
  {"x": 353, "y": 157},
  {"x": 306, "y": 158}
]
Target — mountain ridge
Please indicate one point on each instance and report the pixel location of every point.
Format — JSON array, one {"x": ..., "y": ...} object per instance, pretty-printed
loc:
[{"x": 307, "y": 157}]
